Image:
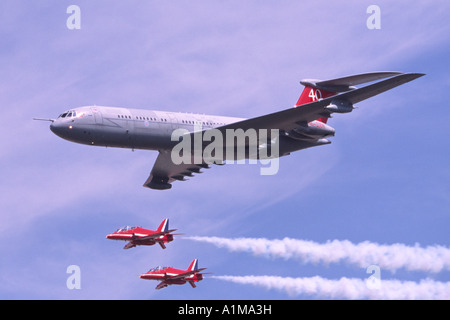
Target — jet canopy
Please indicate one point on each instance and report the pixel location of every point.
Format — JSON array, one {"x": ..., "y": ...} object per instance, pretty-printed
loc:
[
  {"x": 158, "y": 268},
  {"x": 126, "y": 228}
]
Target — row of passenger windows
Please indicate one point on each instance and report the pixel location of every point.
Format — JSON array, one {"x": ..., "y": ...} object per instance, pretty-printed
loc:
[
  {"x": 203, "y": 123},
  {"x": 139, "y": 118},
  {"x": 121, "y": 116}
]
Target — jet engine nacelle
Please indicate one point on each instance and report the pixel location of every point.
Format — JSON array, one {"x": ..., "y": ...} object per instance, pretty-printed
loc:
[
  {"x": 314, "y": 129},
  {"x": 340, "y": 106}
]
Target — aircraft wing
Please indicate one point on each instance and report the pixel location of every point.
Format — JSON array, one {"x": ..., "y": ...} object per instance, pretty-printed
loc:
[
  {"x": 290, "y": 118},
  {"x": 164, "y": 171},
  {"x": 156, "y": 235},
  {"x": 186, "y": 274}
]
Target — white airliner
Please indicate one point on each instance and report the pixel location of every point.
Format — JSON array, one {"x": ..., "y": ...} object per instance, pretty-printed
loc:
[{"x": 299, "y": 127}]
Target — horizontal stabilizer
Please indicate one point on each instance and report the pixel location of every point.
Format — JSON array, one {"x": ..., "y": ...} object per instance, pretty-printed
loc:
[{"x": 346, "y": 83}]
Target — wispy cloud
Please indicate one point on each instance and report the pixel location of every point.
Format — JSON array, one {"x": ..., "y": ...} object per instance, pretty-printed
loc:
[
  {"x": 388, "y": 257},
  {"x": 348, "y": 288}
]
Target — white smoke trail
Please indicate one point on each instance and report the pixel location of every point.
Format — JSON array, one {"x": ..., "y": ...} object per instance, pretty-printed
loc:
[
  {"x": 388, "y": 257},
  {"x": 349, "y": 288}
]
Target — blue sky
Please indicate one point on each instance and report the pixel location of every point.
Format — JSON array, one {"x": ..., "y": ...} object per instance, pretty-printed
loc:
[{"x": 384, "y": 179}]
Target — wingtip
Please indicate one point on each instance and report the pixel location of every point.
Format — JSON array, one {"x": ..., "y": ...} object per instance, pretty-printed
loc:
[
  {"x": 409, "y": 76},
  {"x": 417, "y": 75}
]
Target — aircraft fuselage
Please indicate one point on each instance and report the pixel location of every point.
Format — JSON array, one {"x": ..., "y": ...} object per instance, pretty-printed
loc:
[
  {"x": 189, "y": 142},
  {"x": 129, "y": 128}
]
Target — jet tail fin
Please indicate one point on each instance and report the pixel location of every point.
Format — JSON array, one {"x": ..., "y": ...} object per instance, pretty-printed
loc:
[
  {"x": 320, "y": 89},
  {"x": 164, "y": 226},
  {"x": 312, "y": 94},
  {"x": 193, "y": 266}
]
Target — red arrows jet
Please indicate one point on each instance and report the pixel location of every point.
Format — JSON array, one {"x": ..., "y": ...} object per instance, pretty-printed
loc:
[
  {"x": 138, "y": 236},
  {"x": 169, "y": 275}
]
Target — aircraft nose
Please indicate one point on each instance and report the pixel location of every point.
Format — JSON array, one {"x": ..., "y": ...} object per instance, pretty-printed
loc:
[
  {"x": 60, "y": 129},
  {"x": 55, "y": 128},
  {"x": 112, "y": 236}
]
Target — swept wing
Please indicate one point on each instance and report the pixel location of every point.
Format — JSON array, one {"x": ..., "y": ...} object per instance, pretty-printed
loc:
[{"x": 164, "y": 171}]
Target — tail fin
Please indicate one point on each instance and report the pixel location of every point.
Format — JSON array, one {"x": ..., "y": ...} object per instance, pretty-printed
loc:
[
  {"x": 321, "y": 89},
  {"x": 164, "y": 226},
  {"x": 194, "y": 265},
  {"x": 311, "y": 94}
]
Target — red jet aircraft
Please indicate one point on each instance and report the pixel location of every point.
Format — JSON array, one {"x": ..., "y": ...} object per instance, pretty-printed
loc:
[
  {"x": 169, "y": 275},
  {"x": 138, "y": 236}
]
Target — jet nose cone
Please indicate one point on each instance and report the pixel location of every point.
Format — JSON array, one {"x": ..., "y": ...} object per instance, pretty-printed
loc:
[
  {"x": 56, "y": 128},
  {"x": 61, "y": 129},
  {"x": 113, "y": 236}
]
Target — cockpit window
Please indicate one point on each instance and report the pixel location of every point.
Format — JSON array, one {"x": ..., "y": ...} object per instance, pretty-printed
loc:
[
  {"x": 158, "y": 268},
  {"x": 126, "y": 228},
  {"x": 68, "y": 114}
]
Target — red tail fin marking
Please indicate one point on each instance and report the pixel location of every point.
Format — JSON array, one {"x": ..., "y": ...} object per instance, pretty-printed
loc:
[
  {"x": 194, "y": 265},
  {"x": 164, "y": 226},
  {"x": 310, "y": 94}
]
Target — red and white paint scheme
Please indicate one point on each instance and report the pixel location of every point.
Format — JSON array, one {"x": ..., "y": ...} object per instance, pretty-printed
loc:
[
  {"x": 138, "y": 236},
  {"x": 169, "y": 275}
]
